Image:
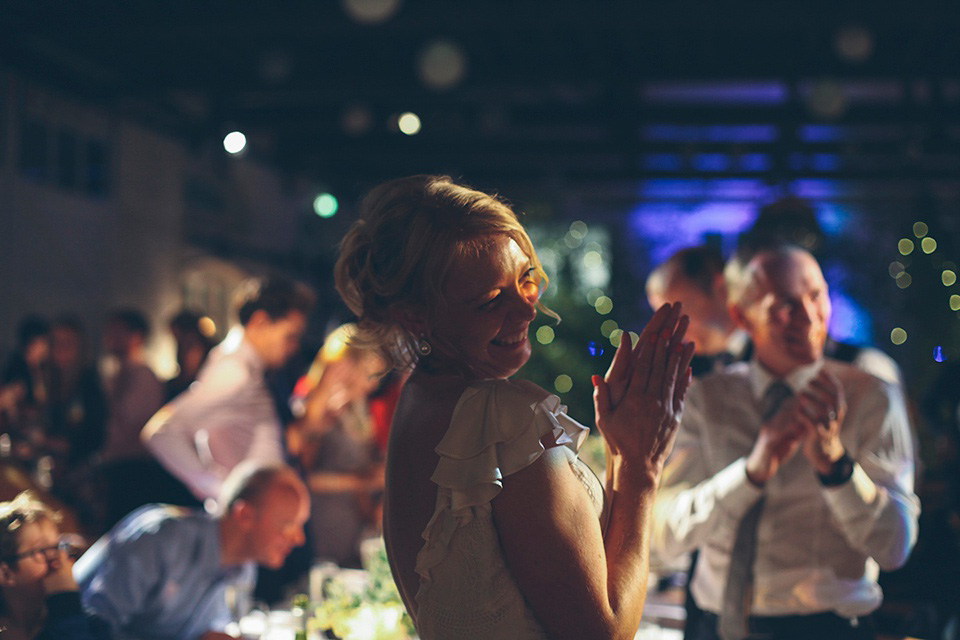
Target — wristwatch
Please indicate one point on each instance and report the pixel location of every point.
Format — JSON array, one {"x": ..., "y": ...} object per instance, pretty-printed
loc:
[{"x": 841, "y": 471}]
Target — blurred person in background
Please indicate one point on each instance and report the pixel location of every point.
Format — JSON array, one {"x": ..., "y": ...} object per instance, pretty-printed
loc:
[
  {"x": 792, "y": 473},
  {"x": 39, "y": 599},
  {"x": 193, "y": 345},
  {"x": 163, "y": 572},
  {"x": 78, "y": 411},
  {"x": 134, "y": 393},
  {"x": 228, "y": 415},
  {"x": 24, "y": 389},
  {"x": 334, "y": 443},
  {"x": 694, "y": 277}
]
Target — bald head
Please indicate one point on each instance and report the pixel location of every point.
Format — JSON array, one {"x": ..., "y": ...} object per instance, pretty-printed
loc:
[{"x": 782, "y": 301}]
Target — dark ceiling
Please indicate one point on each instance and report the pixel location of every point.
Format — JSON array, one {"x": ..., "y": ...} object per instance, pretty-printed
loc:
[{"x": 552, "y": 92}]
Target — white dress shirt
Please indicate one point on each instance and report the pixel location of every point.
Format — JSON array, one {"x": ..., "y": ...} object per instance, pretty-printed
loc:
[
  {"x": 227, "y": 416},
  {"x": 818, "y": 548}
]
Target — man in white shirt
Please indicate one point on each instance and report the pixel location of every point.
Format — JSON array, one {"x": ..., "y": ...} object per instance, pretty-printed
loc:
[
  {"x": 792, "y": 512},
  {"x": 228, "y": 415},
  {"x": 694, "y": 276}
]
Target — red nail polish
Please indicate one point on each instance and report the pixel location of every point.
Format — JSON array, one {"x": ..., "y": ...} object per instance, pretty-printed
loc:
[{"x": 595, "y": 379}]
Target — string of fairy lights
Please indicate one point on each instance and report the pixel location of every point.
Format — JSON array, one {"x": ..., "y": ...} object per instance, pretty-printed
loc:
[{"x": 923, "y": 242}]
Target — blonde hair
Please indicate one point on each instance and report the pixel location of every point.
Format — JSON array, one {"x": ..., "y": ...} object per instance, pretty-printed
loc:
[
  {"x": 24, "y": 509},
  {"x": 395, "y": 258},
  {"x": 338, "y": 345}
]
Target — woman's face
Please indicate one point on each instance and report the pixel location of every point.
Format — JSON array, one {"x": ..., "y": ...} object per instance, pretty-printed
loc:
[{"x": 491, "y": 299}]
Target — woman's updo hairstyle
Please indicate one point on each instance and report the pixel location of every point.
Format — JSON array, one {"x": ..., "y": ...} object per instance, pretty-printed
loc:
[{"x": 396, "y": 256}]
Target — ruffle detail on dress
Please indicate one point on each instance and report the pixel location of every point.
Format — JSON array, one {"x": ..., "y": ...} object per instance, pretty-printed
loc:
[{"x": 495, "y": 431}]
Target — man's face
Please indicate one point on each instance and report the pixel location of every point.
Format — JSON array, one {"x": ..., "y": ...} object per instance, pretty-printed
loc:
[
  {"x": 279, "y": 339},
  {"x": 788, "y": 317},
  {"x": 277, "y": 524},
  {"x": 37, "y": 552},
  {"x": 710, "y": 324}
]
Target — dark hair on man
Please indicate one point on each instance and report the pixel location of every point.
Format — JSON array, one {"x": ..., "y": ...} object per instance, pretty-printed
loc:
[
  {"x": 69, "y": 321},
  {"x": 189, "y": 323},
  {"x": 276, "y": 296},
  {"x": 132, "y": 320},
  {"x": 249, "y": 480},
  {"x": 700, "y": 265},
  {"x": 30, "y": 328}
]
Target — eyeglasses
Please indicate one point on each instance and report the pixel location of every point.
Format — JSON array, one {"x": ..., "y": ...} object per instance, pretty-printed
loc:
[{"x": 49, "y": 554}]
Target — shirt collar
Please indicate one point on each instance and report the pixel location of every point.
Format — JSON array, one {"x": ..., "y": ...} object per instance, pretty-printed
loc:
[
  {"x": 797, "y": 380},
  {"x": 236, "y": 342}
]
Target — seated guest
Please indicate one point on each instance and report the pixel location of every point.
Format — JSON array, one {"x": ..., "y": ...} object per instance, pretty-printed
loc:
[
  {"x": 792, "y": 473},
  {"x": 38, "y": 596},
  {"x": 162, "y": 572}
]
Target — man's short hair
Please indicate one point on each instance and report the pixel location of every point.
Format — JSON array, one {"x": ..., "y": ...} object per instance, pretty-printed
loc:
[
  {"x": 249, "y": 481},
  {"x": 276, "y": 296},
  {"x": 700, "y": 265},
  {"x": 132, "y": 320},
  {"x": 23, "y": 509}
]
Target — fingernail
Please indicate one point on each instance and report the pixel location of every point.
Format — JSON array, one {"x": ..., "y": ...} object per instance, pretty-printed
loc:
[{"x": 595, "y": 379}]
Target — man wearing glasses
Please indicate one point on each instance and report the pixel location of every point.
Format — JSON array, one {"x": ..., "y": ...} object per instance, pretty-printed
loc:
[{"x": 38, "y": 595}]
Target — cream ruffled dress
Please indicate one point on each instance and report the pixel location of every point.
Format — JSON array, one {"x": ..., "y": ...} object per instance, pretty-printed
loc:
[{"x": 466, "y": 590}]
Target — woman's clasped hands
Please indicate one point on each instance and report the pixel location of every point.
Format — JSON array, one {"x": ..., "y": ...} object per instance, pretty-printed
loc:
[{"x": 640, "y": 399}]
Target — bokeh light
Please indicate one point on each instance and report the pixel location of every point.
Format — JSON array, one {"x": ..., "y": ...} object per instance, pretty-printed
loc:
[
  {"x": 948, "y": 277},
  {"x": 615, "y": 337},
  {"x": 207, "y": 326},
  {"x": 896, "y": 268},
  {"x": 572, "y": 241},
  {"x": 325, "y": 205},
  {"x": 592, "y": 260},
  {"x": 234, "y": 142},
  {"x": 595, "y": 349},
  {"x": 593, "y": 295},
  {"x": 898, "y": 336},
  {"x": 905, "y": 246},
  {"x": 603, "y": 305},
  {"x": 578, "y": 229},
  {"x": 608, "y": 327},
  {"x": 929, "y": 245},
  {"x": 938, "y": 354},
  {"x": 442, "y": 65},
  {"x": 955, "y": 302},
  {"x": 904, "y": 280},
  {"x": 545, "y": 335},
  {"x": 409, "y": 123},
  {"x": 563, "y": 383},
  {"x": 920, "y": 229},
  {"x": 370, "y": 11},
  {"x": 853, "y": 44},
  {"x": 356, "y": 119}
]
